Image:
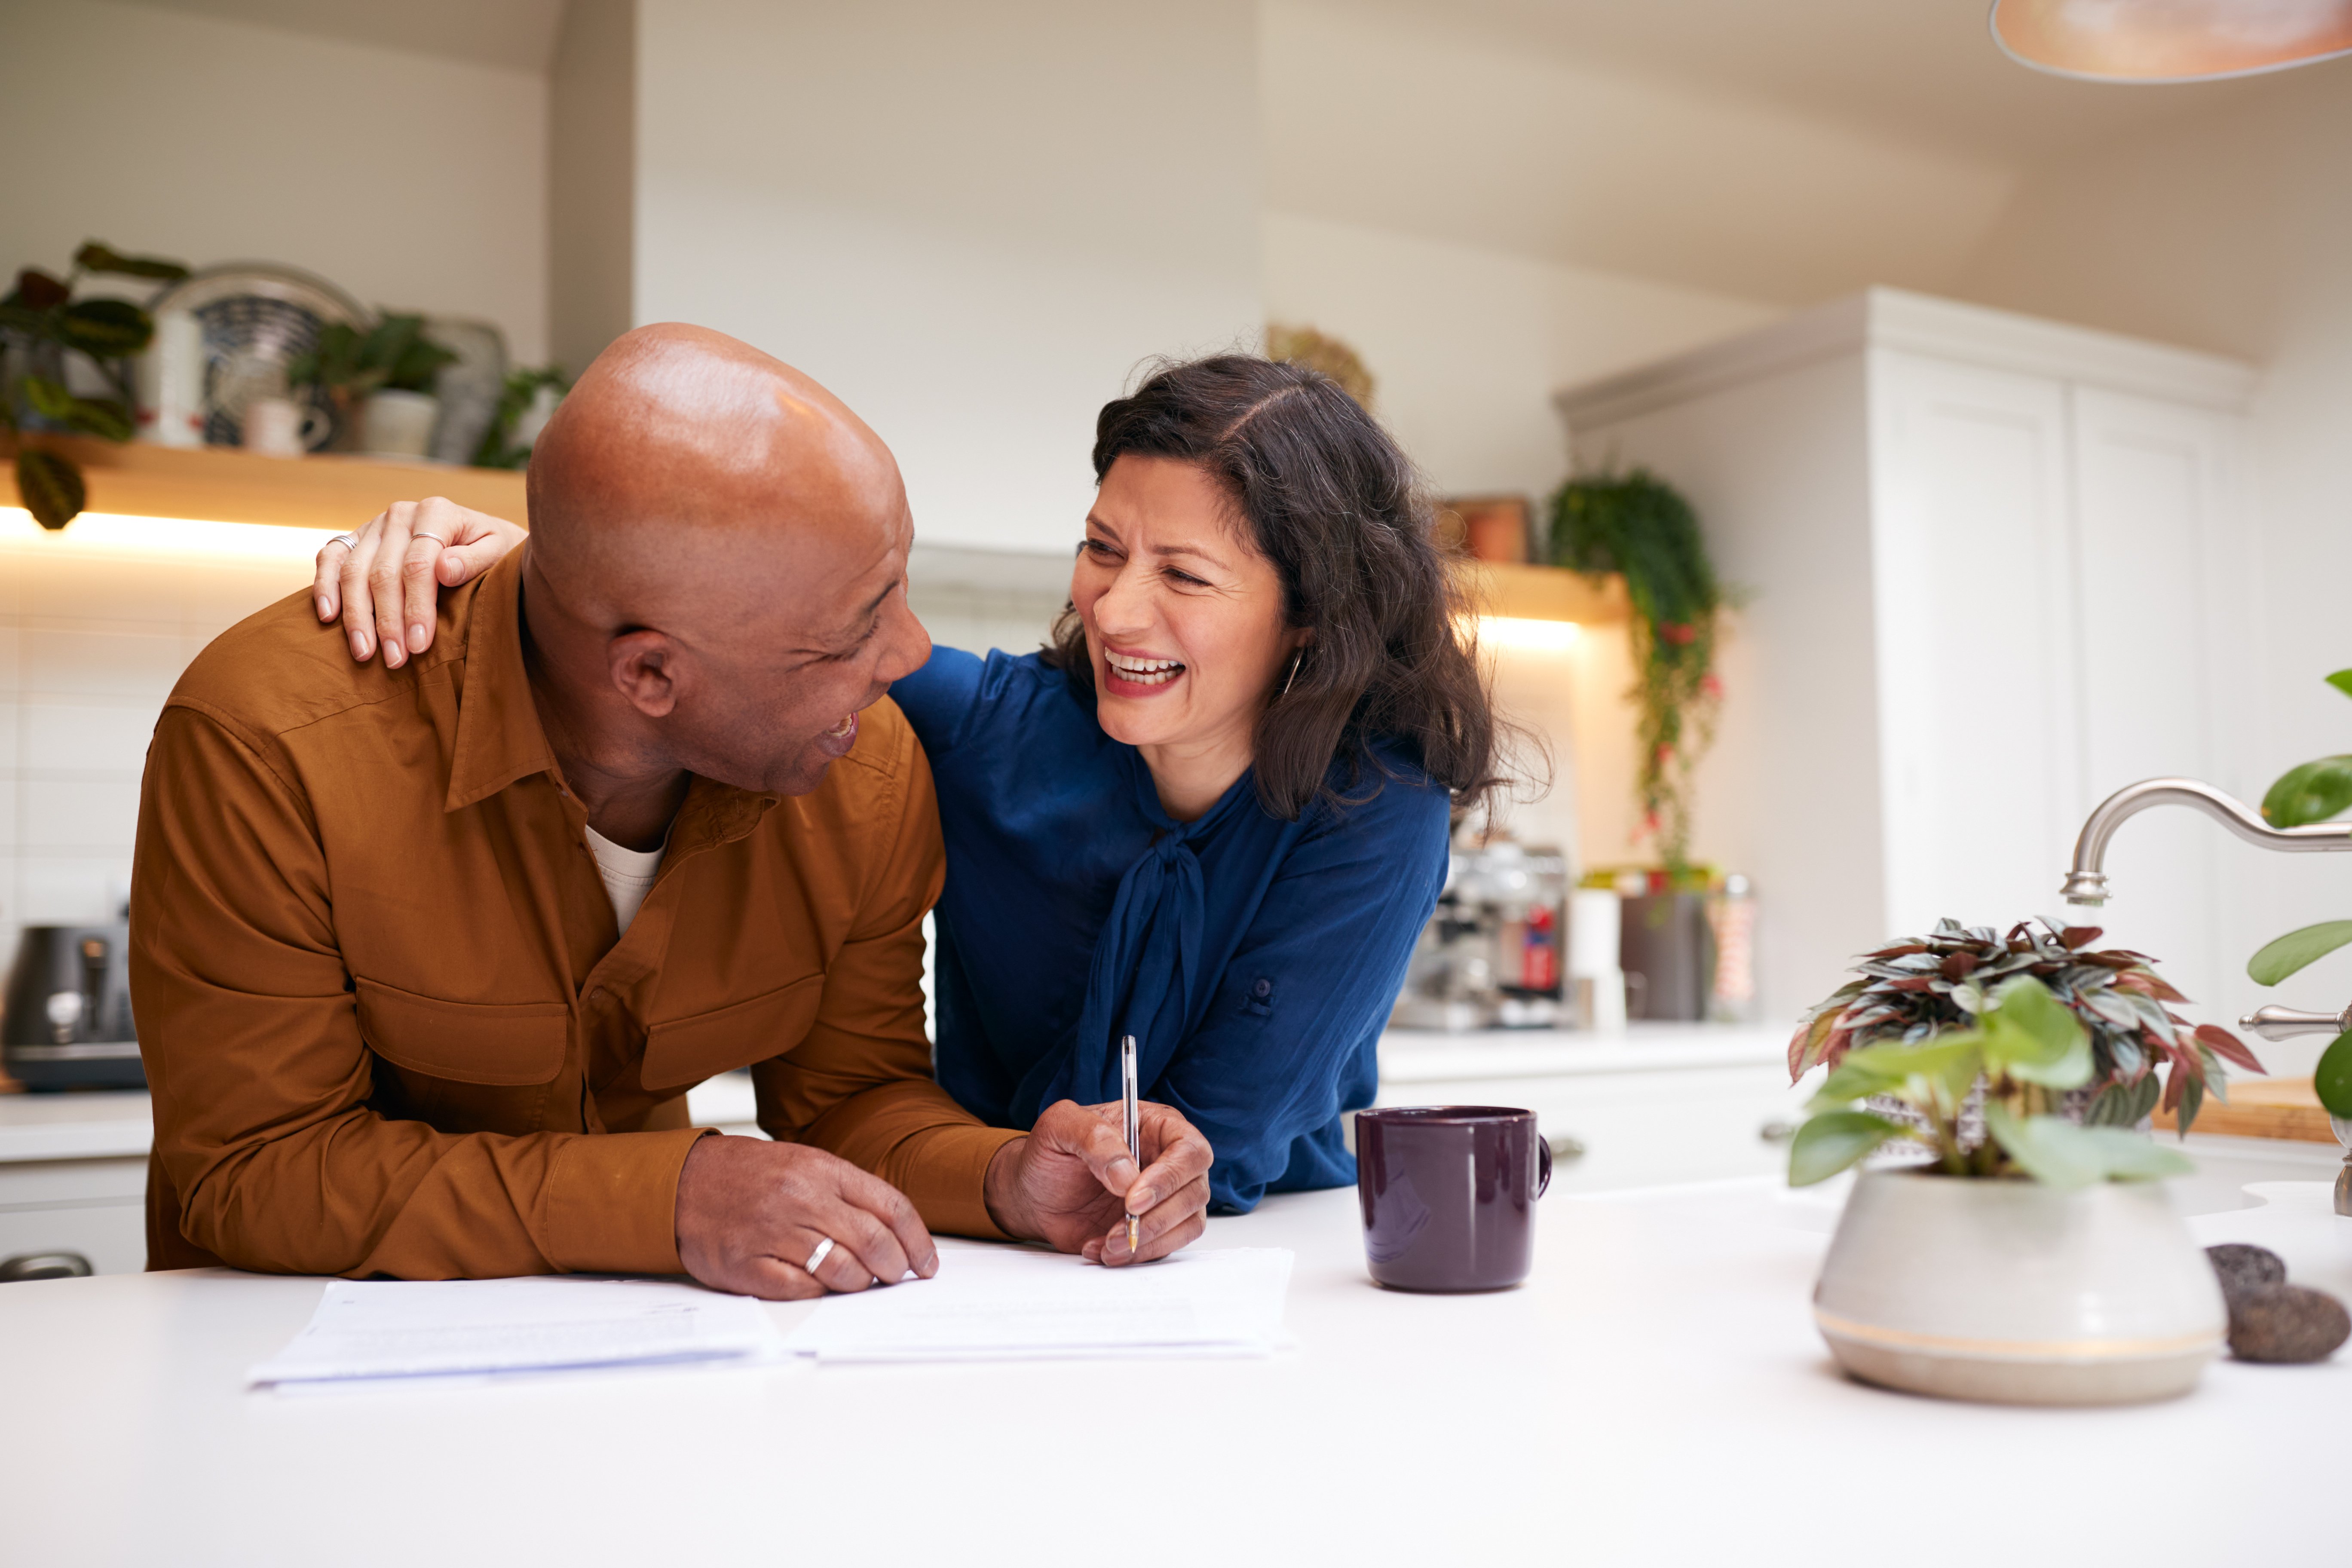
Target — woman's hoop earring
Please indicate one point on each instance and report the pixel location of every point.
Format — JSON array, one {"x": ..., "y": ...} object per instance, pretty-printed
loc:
[{"x": 1297, "y": 660}]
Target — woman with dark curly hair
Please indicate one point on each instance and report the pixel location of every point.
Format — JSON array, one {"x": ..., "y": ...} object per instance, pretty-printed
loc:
[{"x": 1212, "y": 812}]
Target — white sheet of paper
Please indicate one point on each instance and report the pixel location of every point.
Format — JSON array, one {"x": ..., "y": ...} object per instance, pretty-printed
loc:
[
  {"x": 406, "y": 1329},
  {"x": 1016, "y": 1303}
]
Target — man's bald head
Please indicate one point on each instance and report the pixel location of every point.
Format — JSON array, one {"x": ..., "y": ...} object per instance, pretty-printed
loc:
[{"x": 695, "y": 491}]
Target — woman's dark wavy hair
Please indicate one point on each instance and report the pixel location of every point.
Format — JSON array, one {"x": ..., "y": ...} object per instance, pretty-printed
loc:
[{"x": 1333, "y": 503}]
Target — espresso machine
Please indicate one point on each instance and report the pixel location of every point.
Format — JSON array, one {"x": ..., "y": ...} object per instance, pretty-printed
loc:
[
  {"x": 68, "y": 1018},
  {"x": 1495, "y": 952}
]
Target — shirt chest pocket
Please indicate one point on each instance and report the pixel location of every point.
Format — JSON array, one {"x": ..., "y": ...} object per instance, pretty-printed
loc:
[
  {"x": 704, "y": 1044},
  {"x": 499, "y": 1044}
]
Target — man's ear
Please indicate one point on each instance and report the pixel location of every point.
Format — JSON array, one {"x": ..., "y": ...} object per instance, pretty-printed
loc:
[{"x": 644, "y": 670}]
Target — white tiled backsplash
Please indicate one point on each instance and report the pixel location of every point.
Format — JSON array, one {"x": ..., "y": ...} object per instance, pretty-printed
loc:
[{"x": 92, "y": 635}]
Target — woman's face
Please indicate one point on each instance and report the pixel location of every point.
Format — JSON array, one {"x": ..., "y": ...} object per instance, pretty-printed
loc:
[{"x": 1184, "y": 617}]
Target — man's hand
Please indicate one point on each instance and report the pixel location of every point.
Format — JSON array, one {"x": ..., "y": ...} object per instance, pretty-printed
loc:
[
  {"x": 750, "y": 1212},
  {"x": 1070, "y": 1183},
  {"x": 386, "y": 586}
]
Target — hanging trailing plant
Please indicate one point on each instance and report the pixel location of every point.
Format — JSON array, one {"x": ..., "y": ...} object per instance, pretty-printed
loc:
[
  {"x": 42, "y": 322},
  {"x": 1639, "y": 525}
]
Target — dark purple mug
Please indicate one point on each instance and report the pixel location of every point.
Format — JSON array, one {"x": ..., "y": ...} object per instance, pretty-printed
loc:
[{"x": 1449, "y": 1195}]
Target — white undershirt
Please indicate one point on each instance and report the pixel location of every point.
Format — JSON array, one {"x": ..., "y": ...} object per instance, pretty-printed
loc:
[{"x": 628, "y": 873}]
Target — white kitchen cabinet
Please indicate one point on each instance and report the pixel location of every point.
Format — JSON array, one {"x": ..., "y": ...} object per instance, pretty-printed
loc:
[
  {"x": 1992, "y": 569},
  {"x": 1655, "y": 1104}
]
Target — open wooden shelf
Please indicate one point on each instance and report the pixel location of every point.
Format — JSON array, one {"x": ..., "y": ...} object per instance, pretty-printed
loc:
[
  {"x": 1544, "y": 593},
  {"x": 219, "y": 484}
]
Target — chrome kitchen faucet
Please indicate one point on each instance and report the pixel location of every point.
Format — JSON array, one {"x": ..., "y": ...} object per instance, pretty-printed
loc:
[{"x": 2086, "y": 887}]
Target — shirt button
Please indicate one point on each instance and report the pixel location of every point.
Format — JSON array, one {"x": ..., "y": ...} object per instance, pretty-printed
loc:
[
  {"x": 1262, "y": 988},
  {"x": 598, "y": 995}
]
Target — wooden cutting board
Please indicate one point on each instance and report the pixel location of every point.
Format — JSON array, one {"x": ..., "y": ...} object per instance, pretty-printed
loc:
[{"x": 2264, "y": 1107}]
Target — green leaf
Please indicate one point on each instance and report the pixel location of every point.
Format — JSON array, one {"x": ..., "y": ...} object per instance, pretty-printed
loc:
[
  {"x": 106, "y": 329},
  {"x": 2123, "y": 1104},
  {"x": 2283, "y": 955},
  {"x": 105, "y": 417},
  {"x": 2342, "y": 681},
  {"x": 2057, "y": 1154},
  {"x": 49, "y": 486},
  {"x": 97, "y": 257},
  {"x": 1833, "y": 1140},
  {"x": 1889, "y": 1067},
  {"x": 2313, "y": 792},
  {"x": 2034, "y": 1038},
  {"x": 2332, "y": 1076},
  {"x": 49, "y": 399}
]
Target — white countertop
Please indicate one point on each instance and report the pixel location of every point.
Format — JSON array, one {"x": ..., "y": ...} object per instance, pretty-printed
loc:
[
  {"x": 1428, "y": 1056},
  {"x": 116, "y": 1123},
  {"x": 1655, "y": 1395}
]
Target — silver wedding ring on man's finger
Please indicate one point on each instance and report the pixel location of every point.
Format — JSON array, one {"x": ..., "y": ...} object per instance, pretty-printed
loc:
[{"x": 824, "y": 1249}]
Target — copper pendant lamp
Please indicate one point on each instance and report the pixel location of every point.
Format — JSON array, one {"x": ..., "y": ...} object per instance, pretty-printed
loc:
[{"x": 2170, "y": 40}]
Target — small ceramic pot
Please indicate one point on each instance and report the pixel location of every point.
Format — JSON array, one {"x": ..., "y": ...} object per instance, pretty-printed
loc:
[
  {"x": 2017, "y": 1293},
  {"x": 398, "y": 423}
]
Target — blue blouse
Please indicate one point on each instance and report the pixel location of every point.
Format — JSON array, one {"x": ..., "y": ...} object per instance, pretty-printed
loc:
[{"x": 1253, "y": 959}]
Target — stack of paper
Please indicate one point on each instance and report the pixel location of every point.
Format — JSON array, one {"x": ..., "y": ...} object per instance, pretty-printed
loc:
[
  {"x": 365, "y": 1332},
  {"x": 1010, "y": 1303}
]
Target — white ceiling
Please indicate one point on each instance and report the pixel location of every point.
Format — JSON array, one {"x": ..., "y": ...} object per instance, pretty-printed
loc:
[
  {"x": 517, "y": 34},
  {"x": 1925, "y": 71}
]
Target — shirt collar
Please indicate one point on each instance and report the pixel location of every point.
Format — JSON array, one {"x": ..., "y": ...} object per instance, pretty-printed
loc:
[
  {"x": 498, "y": 735},
  {"x": 501, "y": 740}
]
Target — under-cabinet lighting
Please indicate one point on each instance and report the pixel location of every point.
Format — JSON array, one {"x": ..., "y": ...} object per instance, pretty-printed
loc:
[
  {"x": 152, "y": 536},
  {"x": 1514, "y": 631}
]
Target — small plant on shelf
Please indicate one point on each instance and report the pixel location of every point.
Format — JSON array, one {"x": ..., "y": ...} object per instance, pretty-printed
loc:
[
  {"x": 2308, "y": 793},
  {"x": 2026, "y": 1050},
  {"x": 1639, "y": 525},
  {"x": 1917, "y": 990},
  {"x": 42, "y": 322},
  {"x": 348, "y": 363}
]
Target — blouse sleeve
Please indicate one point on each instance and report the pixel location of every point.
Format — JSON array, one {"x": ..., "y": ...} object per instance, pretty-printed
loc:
[
  {"x": 1308, "y": 987},
  {"x": 938, "y": 699}
]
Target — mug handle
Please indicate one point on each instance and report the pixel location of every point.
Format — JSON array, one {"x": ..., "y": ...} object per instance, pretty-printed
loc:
[
  {"x": 316, "y": 422},
  {"x": 1543, "y": 1150}
]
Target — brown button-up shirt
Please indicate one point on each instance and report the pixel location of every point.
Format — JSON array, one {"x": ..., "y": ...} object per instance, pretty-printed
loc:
[{"x": 388, "y": 1019}]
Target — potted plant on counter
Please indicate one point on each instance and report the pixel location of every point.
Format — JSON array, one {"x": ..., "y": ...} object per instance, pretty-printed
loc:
[
  {"x": 383, "y": 377},
  {"x": 1915, "y": 988},
  {"x": 2041, "y": 1264},
  {"x": 2308, "y": 793}
]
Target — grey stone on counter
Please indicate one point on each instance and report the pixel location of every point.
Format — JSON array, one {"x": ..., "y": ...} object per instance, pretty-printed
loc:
[
  {"x": 2286, "y": 1323},
  {"x": 2245, "y": 1267}
]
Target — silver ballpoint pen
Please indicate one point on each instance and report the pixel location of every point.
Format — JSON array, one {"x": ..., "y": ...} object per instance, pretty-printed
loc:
[{"x": 1134, "y": 1121}]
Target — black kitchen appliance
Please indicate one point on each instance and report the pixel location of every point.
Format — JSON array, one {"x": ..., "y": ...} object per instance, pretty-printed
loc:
[{"x": 67, "y": 1024}]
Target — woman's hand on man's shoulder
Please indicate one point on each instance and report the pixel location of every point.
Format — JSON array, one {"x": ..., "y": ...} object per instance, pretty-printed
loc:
[{"x": 384, "y": 581}]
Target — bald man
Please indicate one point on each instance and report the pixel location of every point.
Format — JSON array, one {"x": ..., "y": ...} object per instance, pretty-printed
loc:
[{"x": 426, "y": 951}]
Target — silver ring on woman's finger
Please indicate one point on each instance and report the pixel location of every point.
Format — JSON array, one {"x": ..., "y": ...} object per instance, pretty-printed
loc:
[
  {"x": 822, "y": 1248},
  {"x": 417, "y": 533},
  {"x": 348, "y": 540}
]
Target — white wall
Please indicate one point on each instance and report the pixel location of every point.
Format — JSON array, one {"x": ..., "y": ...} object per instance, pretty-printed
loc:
[
  {"x": 975, "y": 246},
  {"x": 1429, "y": 126},
  {"x": 2234, "y": 232},
  {"x": 410, "y": 181},
  {"x": 96, "y": 625}
]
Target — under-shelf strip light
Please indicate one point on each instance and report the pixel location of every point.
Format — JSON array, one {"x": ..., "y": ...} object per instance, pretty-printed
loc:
[{"x": 161, "y": 536}]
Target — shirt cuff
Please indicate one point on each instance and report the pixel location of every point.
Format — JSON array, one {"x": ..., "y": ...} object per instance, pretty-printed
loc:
[
  {"x": 612, "y": 1204},
  {"x": 947, "y": 1178}
]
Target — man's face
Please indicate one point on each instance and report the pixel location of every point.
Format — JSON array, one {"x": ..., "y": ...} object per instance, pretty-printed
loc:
[{"x": 768, "y": 695}]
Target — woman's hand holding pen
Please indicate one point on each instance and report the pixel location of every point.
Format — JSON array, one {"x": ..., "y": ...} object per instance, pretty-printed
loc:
[{"x": 1070, "y": 1183}]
